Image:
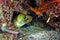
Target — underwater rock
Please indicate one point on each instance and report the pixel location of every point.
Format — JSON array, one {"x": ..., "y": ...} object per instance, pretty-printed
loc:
[{"x": 44, "y": 35}]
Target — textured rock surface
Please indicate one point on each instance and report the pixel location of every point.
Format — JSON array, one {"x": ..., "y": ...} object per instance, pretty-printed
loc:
[{"x": 43, "y": 35}]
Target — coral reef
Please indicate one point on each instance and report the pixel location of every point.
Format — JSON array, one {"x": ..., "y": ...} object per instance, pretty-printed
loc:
[{"x": 36, "y": 19}]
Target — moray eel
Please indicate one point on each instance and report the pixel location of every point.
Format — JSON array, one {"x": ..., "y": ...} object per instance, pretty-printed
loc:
[{"x": 22, "y": 19}]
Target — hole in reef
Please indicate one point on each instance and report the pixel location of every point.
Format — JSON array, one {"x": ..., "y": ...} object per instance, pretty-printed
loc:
[{"x": 15, "y": 14}]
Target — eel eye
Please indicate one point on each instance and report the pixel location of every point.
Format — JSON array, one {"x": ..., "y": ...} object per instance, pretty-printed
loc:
[{"x": 25, "y": 18}]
